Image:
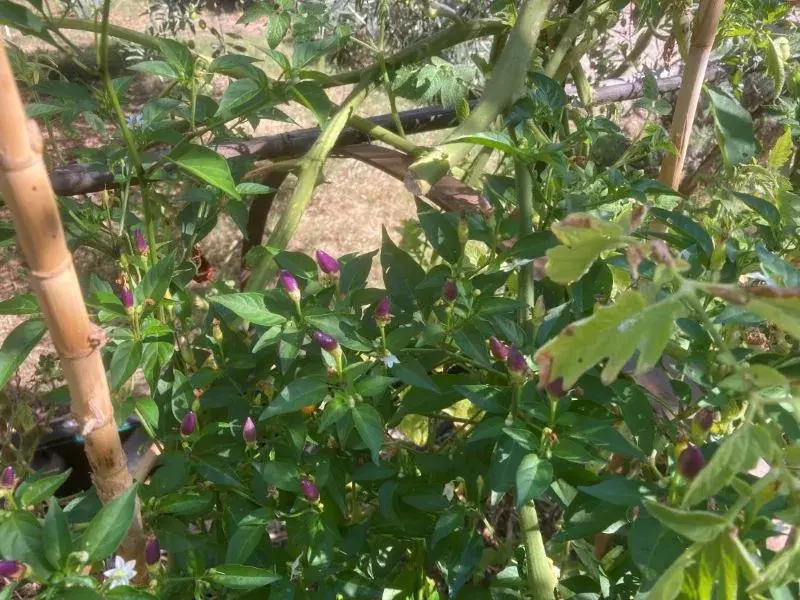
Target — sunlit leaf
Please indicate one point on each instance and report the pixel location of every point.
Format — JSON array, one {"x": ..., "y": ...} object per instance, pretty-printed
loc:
[{"x": 584, "y": 238}]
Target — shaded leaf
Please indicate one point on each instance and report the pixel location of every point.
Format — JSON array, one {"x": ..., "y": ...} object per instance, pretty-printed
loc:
[
  {"x": 17, "y": 345},
  {"x": 534, "y": 476},
  {"x": 733, "y": 126},
  {"x": 299, "y": 393}
]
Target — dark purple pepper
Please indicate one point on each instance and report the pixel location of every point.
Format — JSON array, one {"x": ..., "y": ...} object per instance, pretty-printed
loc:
[
  {"x": 188, "y": 424},
  {"x": 152, "y": 551},
  {"x": 691, "y": 461},
  {"x": 12, "y": 569},
  {"x": 704, "y": 418},
  {"x": 556, "y": 387},
  {"x": 289, "y": 284},
  {"x": 126, "y": 295},
  {"x": 309, "y": 489},
  {"x": 326, "y": 342},
  {"x": 450, "y": 291},
  {"x": 140, "y": 242},
  {"x": 498, "y": 349},
  {"x": 249, "y": 431},
  {"x": 8, "y": 478},
  {"x": 327, "y": 264},
  {"x": 383, "y": 311},
  {"x": 516, "y": 364}
]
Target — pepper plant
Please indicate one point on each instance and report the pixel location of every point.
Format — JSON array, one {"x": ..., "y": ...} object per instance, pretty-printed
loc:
[{"x": 583, "y": 385}]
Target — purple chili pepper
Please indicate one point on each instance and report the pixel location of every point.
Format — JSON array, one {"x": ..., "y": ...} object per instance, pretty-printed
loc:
[
  {"x": 328, "y": 264},
  {"x": 498, "y": 349},
  {"x": 691, "y": 461},
  {"x": 188, "y": 424},
  {"x": 309, "y": 489},
  {"x": 249, "y": 431},
  {"x": 140, "y": 242}
]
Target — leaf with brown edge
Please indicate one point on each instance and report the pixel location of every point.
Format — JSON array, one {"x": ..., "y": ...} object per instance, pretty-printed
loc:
[
  {"x": 583, "y": 239},
  {"x": 630, "y": 322}
]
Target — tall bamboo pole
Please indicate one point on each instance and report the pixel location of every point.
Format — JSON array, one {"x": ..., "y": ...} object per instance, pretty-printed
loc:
[
  {"x": 703, "y": 34},
  {"x": 26, "y": 189}
]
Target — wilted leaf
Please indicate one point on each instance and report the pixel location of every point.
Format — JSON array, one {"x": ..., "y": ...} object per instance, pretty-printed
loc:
[{"x": 584, "y": 238}]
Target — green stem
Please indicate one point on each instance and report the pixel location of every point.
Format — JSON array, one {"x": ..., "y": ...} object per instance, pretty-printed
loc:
[
  {"x": 130, "y": 143},
  {"x": 712, "y": 330},
  {"x": 642, "y": 43},
  {"x": 575, "y": 26},
  {"x": 306, "y": 182},
  {"x": 527, "y": 294},
  {"x": 507, "y": 80},
  {"x": 540, "y": 574},
  {"x": 384, "y": 135}
]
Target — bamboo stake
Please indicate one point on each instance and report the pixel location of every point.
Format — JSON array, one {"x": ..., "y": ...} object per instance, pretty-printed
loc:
[
  {"x": 703, "y": 34},
  {"x": 26, "y": 189}
]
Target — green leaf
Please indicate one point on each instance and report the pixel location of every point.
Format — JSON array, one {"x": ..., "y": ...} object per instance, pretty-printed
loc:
[
  {"x": 21, "y": 18},
  {"x": 188, "y": 504},
  {"x": 17, "y": 345},
  {"x": 782, "y": 569},
  {"x": 638, "y": 415},
  {"x": 282, "y": 474},
  {"x": 630, "y": 322},
  {"x": 441, "y": 231},
  {"x": 127, "y": 358},
  {"x": 369, "y": 425},
  {"x": 698, "y": 526},
  {"x": 277, "y": 27},
  {"x": 548, "y": 92},
  {"x": 401, "y": 273},
  {"x": 783, "y": 312},
  {"x": 584, "y": 238},
  {"x": 534, "y": 476},
  {"x": 412, "y": 372},
  {"x": 39, "y": 490},
  {"x": 618, "y": 490},
  {"x": 250, "y": 307},
  {"x": 782, "y": 151},
  {"x": 473, "y": 344},
  {"x": 763, "y": 207},
  {"x": 738, "y": 453},
  {"x": 206, "y": 165},
  {"x": 307, "y": 52},
  {"x": 299, "y": 393},
  {"x": 243, "y": 542},
  {"x": 355, "y": 272},
  {"x": 669, "y": 584},
  {"x": 291, "y": 340},
  {"x": 21, "y": 539},
  {"x": 241, "y": 577},
  {"x": 37, "y": 111},
  {"x": 446, "y": 524},
  {"x": 155, "y": 67},
  {"x": 653, "y": 547},
  {"x": 56, "y": 538},
  {"x": 24, "y": 304},
  {"x": 177, "y": 56},
  {"x": 373, "y": 385},
  {"x": 686, "y": 227},
  {"x": 108, "y": 528},
  {"x": 783, "y": 273},
  {"x": 496, "y": 140},
  {"x": 156, "y": 281},
  {"x": 733, "y": 126},
  {"x": 297, "y": 263},
  {"x": 238, "y": 94},
  {"x": 80, "y": 593}
]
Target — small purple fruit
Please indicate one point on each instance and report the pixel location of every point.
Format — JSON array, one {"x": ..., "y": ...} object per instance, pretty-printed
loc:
[
  {"x": 498, "y": 349},
  {"x": 326, "y": 342},
  {"x": 327, "y": 264},
  {"x": 704, "y": 418},
  {"x": 188, "y": 424},
  {"x": 152, "y": 551},
  {"x": 140, "y": 242},
  {"x": 289, "y": 284},
  {"x": 309, "y": 489},
  {"x": 12, "y": 569},
  {"x": 691, "y": 461},
  {"x": 517, "y": 365},
  {"x": 383, "y": 311},
  {"x": 8, "y": 478},
  {"x": 556, "y": 387},
  {"x": 450, "y": 291},
  {"x": 126, "y": 295},
  {"x": 249, "y": 431}
]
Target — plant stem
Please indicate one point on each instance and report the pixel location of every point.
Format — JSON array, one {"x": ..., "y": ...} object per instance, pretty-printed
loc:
[
  {"x": 306, "y": 183},
  {"x": 527, "y": 294},
  {"x": 642, "y": 43},
  {"x": 130, "y": 143},
  {"x": 506, "y": 81},
  {"x": 540, "y": 574},
  {"x": 576, "y": 24}
]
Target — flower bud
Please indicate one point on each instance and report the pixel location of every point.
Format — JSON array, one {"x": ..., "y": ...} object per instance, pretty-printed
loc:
[
  {"x": 517, "y": 365},
  {"x": 327, "y": 264},
  {"x": 188, "y": 424},
  {"x": 152, "y": 551},
  {"x": 8, "y": 478},
  {"x": 498, "y": 349},
  {"x": 126, "y": 295},
  {"x": 249, "y": 431},
  {"x": 326, "y": 342},
  {"x": 383, "y": 311},
  {"x": 289, "y": 284},
  {"x": 450, "y": 291},
  {"x": 309, "y": 489},
  {"x": 12, "y": 569},
  {"x": 140, "y": 243},
  {"x": 691, "y": 461}
]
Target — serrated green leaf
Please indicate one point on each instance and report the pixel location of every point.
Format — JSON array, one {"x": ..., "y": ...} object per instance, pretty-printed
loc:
[
  {"x": 783, "y": 273},
  {"x": 630, "y": 322},
  {"x": 781, "y": 152}
]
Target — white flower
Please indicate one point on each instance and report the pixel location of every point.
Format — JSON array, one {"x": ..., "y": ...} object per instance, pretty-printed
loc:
[
  {"x": 121, "y": 574},
  {"x": 449, "y": 491},
  {"x": 390, "y": 360}
]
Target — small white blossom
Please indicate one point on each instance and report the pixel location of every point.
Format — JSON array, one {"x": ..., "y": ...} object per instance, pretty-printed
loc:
[
  {"x": 449, "y": 490},
  {"x": 390, "y": 360},
  {"x": 121, "y": 574}
]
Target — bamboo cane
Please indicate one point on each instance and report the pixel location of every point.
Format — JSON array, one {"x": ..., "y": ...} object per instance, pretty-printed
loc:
[
  {"x": 703, "y": 34},
  {"x": 26, "y": 189}
]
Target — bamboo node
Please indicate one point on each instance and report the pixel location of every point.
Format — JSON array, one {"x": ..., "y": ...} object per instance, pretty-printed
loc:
[
  {"x": 97, "y": 337},
  {"x": 37, "y": 143},
  {"x": 53, "y": 273},
  {"x": 93, "y": 422},
  {"x": 11, "y": 164}
]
